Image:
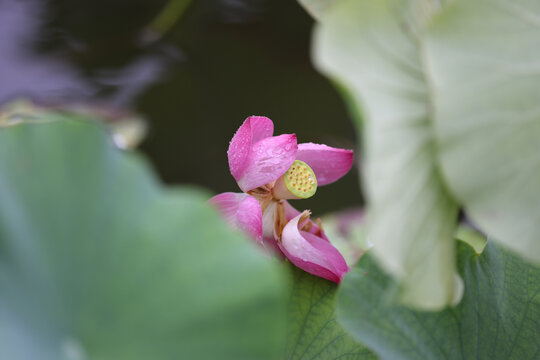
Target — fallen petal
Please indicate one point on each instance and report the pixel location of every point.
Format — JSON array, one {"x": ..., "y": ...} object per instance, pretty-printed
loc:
[
  {"x": 241, "y": 211},
  {"x": 328, "y": 163},
  {"x": 312, "y": 253},
  {"x": 291, "y": 212}
]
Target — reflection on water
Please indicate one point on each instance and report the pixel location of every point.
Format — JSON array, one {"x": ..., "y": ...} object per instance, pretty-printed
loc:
[
  {"x": 217, "y": 62},
  {"x": 238, "y": 11},
  {"x": 24, "y": 72},
  {"x": 52, "y": 76},
  {"x": 130, "y": 81}
]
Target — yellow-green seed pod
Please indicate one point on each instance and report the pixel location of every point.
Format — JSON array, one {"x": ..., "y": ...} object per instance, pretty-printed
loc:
[{"x": 298, "y": 182}]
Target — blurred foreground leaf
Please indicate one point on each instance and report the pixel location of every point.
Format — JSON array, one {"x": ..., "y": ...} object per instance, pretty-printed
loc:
[
  {"x": 411, "y": 216},
  {"x": 484, "y": 61},
  {"x": 497, "y": 318},
  {"x": 313, "y": 330},
  {"x": 449, "y": 96},
  {"x": 99, "y": 261}
]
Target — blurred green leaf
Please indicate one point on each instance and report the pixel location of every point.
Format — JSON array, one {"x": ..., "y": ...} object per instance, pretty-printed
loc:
[
  {"x": 484, "y": 61},
  {"x": 313, "y": 330},
  {"x": 497, "y": 318},
  {"x": 371, "y": 48},
  {"x": 99, "y": 261}
]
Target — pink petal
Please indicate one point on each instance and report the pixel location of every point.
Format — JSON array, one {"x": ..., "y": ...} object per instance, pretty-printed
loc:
[
  {"x": 312, "y": 253},
  {"x": 328, "y": 163},
  {"x": 254, "y": 129},
  {"x": 241, "y": 211},
  {"x": 291, "y": 212},
  {"x": 261, "y": 127},
  {"x": 268, "y": 159}
]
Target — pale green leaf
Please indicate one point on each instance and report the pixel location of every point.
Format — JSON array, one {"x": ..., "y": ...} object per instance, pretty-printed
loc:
[
  {"x": 484, "y": 61},
  {"x": 317, "y": 8},
  {"x": 372, "y": 48}
]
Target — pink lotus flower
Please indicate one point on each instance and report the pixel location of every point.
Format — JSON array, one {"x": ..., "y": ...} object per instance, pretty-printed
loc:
[{"x": 271, "y": 169}]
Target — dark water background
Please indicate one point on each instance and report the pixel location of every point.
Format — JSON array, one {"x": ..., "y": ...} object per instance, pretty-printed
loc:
[{"x": 194, "y": 74}]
